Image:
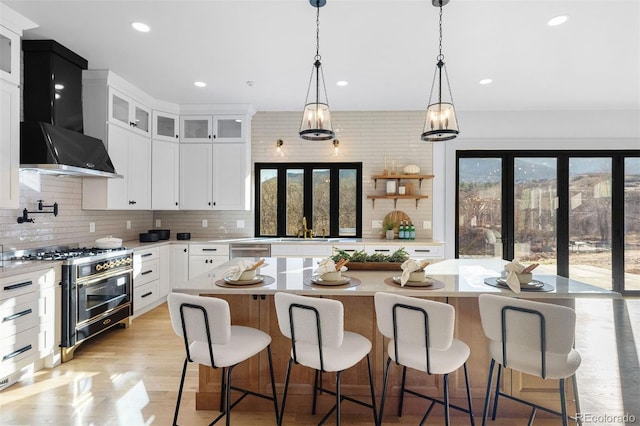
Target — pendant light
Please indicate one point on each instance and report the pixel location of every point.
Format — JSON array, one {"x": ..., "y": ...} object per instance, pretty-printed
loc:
[
  {"x": 316, "y": 119},
  {"x": 441, "y": 123}
]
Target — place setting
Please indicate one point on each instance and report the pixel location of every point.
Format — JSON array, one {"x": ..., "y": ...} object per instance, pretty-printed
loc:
[
  {"x": 245, "y": 274},
  {"x": 517, "y": 278},
  {"x": 414, "y": 276},
  {"x": 329, "y": 273}
]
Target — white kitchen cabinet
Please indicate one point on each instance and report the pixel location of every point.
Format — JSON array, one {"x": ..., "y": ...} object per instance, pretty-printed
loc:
[
  {"x": 9, "y": 145},
  {"x": 215, "y": 176},
  {"x": 9, "y": 55},
  {"x": 205, "y": 257},
  {"x": 166, "y": 126},
  {"x": 165, "y": 269},
  {"x": 146, "y": 280},
  {"x": 129, "y": 113},
  {"x": 179, "y": 265},
  {"x": 29, "y": 329},
  {"x": 131, "y": 157},
  {"x": 214, "y": 128},
  {"x": 196, "y": 128},
  {"x": 301, "y": 250},
  {"x": 165, "y": 175},
  {"x": 196, "y": 176},
  {"x": 425, "y": 251}
]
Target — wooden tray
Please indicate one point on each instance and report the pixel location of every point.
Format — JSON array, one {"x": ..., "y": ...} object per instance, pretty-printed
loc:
[{"x": 374, "y": 266}]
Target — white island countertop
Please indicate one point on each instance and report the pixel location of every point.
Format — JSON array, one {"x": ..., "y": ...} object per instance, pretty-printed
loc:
[{"x": 456, "y": 277}]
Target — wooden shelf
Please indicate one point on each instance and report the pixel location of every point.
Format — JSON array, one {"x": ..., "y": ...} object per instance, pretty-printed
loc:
[
  {"x": 419, "y": 178},
  {"x": 395, "y": 198}
]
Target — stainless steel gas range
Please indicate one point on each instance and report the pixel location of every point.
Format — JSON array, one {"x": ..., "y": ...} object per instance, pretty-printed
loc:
[{"x": 97, "y": 286}]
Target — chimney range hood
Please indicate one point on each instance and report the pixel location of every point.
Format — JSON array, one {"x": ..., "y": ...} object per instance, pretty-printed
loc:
[{"x": 51, "y": 138}]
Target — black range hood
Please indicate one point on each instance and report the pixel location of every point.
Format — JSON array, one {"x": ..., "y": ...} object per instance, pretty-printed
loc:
[{"x": 51, "y": 138}]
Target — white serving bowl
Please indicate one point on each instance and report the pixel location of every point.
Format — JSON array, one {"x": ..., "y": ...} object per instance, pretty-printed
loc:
[
  {"x": 416, "y": 276},
  {"x": 248, "y": 275},
  {"x": 331, "y": 276},
  {"x": 108, "y": 242}
]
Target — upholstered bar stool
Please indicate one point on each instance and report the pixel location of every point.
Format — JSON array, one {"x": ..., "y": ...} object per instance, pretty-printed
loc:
[
  {"x": 318, "y": 341},
  {"x": 534, "y": 338},
  {"x": 210, "y": 339},
  {"x": 421, "y": 338}
]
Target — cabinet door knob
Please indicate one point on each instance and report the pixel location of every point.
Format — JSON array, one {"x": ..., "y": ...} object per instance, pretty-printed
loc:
[
  {"x": 176, "y": 136},
  {"x": 209, "y": 202},
  {"x": 185, "y": 250},
  {"x": 209, "y": 136},
  {"x": 176, "y": 203},
  {"x": 214, "y": 136},
  {"x": 131, "y": 202}
]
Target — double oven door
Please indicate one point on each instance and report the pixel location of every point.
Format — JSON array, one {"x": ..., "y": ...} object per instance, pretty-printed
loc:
[{"x": 101, "y": 294}]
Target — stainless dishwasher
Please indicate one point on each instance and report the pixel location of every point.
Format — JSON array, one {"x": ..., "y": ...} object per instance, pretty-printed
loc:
[{"x": 249, "y": 249}]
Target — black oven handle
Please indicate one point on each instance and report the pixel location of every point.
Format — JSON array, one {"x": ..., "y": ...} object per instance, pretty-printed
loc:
[
  {"x": 15, "y": 286},
  {"x": 17, "y": 315}
]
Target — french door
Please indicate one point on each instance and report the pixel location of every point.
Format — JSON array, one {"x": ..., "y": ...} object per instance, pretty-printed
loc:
[{"x": 577, "y": 214}]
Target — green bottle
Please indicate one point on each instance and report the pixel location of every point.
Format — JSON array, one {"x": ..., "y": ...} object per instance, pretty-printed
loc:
[
  {"x": 412, "y": 232},
  {"x": 401, "y": 231}
]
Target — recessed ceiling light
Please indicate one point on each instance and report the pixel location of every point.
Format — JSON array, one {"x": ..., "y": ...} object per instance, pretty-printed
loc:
[
  {"x": 485, "y": 81},
  {"x": 140, "y": 26},
  {"x": 200, "y": 84},
  {"x": 557, "y": 20},
  {"x": 342, "y": 83},
  {"x": 58, "y": 86},
  {"x": 251, "y": 83}
]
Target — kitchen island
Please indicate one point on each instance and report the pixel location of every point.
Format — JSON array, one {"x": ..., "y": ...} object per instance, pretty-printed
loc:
[{"x": 459, "y": 283}]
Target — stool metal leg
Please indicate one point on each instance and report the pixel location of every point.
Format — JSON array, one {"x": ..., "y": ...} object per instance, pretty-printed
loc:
[
  {"x": 273, "y": 386},
  {"x": 222, "y": 388},
  {"x": 577, "y": 399},
  {"x": 487, "y": 395},
  {"x": 286, "y": 386},
  {"x": 466, "y": 380},
  {"x": 315, "y": 391},
  {"x": 227, "y": 408},
  {"x": 184, "y": 372},
  {"x": 384, "y": 389},
  {"x": 563, "y": 404},
  {"x": 445, "y": 382},
  {"x": 497, "y": 393},
  {"x": 338, "y": 399},
  {"x": 373, "y": 392},
  {"x": 404, "y": 376}
]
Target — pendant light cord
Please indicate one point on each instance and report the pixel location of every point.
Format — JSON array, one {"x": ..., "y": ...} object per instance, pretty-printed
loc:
[
  {"x": 318, "y": 32},
  {"x": 440, "y": 56}
]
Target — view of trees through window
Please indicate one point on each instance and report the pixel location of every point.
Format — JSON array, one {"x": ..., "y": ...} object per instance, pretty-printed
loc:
[
  {"x": 535, "y": 222},
  {"x": 326, "y": 195}
]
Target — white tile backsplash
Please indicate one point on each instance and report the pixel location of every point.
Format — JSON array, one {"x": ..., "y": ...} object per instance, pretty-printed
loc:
[{"x": 366, "y": 136}]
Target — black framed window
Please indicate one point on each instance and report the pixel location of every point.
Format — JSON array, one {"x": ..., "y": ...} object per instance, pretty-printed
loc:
[
  {"x": 327, "y": 195},
  {"x": 574, "y": 212}
]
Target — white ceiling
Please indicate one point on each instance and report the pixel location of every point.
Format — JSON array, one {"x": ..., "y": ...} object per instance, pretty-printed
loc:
[{"x": 386, "y": 49}]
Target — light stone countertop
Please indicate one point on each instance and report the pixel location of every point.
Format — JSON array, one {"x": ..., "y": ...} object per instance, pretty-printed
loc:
[{"x": 460, "y": 277}]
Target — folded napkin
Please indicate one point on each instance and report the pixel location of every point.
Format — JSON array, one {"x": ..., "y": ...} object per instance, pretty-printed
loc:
[
  {"x": 236, "y": 270},
  {"x": 328, "y": 265},
  {"x": 408, "y": 266},
  {"x": 513, "y": 268}
]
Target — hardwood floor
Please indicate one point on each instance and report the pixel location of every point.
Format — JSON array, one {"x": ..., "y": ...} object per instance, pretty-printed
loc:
[{"x": 130, "y": 377}]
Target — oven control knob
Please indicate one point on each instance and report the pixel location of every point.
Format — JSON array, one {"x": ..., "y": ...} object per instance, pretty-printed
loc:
[
  {"x": 98, "y": 267},
  {"x": 112, "y": 264},
  {"x": 105, "y": 265},
  {"x": 128, "y": 260}
]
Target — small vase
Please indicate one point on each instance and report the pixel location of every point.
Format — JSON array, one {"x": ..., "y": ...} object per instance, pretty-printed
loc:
[{"x": 390, "y": 234}]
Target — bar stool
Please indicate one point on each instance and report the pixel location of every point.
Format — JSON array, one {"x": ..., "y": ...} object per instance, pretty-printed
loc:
[
  {"x": 534, "y": 338},
  {"x": 210, "y": 339},
  {"x": 421, "y": 338},
  {"x": 318, "y": 341}
]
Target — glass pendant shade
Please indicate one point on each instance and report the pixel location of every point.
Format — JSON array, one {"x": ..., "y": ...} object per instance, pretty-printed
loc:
[
  {"x": 441, "y": 123},
  {"x": 316, "y": 118}
]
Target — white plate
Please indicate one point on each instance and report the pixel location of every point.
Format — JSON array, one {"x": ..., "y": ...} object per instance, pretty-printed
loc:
[
  {"x": 531, "y": 284},
  {"x": 256, "y": 280},
  {"x": 317, "y": 279},
  {"x": 426, "y": 282}
]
